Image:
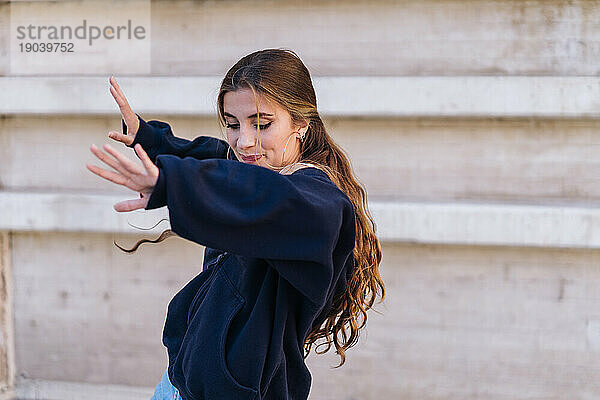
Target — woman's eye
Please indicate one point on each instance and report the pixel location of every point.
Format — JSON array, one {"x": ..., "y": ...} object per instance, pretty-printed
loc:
[
  {"x": 236, "y": 126},
  {"x": 265, "y": 126}
]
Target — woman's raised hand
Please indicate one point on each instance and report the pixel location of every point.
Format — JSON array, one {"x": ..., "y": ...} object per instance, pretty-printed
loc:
[
  {"x": 128, "y": 174},
  {"x": 131, "y": 120}
]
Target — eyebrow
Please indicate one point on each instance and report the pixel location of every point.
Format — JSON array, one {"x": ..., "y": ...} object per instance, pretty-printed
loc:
[{"x": 249, "y": 116}]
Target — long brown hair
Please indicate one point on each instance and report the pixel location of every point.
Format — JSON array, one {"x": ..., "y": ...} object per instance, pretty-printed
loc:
[{"x": 279, "y": 75}]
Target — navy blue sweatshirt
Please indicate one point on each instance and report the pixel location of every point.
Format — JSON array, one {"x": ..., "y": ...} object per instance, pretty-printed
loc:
[{"x": 278, "y": 249}]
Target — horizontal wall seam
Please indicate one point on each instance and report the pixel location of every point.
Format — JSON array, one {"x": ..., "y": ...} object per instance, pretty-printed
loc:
[
  {"x": 363, "y": 96},
  {"x": 30, "y": 389},
  {"x": 396, "y": 221}
]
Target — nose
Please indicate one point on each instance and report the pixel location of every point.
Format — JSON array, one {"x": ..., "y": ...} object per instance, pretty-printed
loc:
[{"x": 247, "y": 138}]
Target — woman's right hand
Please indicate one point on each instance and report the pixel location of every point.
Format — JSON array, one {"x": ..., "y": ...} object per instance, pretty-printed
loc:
[{"x": 131, "y": 120}]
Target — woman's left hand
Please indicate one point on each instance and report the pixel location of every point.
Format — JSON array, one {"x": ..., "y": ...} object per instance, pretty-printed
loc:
[{"x": 128, "y": 174}]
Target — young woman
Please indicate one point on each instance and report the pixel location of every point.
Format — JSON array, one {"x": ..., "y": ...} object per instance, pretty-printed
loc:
[{"x": 291, "y": 253}]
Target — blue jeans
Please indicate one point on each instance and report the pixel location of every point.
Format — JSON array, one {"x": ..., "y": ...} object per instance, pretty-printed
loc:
[{"x": 165, "y": 390}]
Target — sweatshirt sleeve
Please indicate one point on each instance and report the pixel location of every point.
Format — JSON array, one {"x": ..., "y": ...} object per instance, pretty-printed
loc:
[
  {"x": 250, "y": 210},
  {"x": 156, "y": 137}
]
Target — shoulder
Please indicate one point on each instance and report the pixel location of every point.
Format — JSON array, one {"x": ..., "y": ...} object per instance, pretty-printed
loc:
[
  {"x": 301, "y": 170},
  {"x": 310, "y": 173},
  {"x": 290, "y": 169},
  {"x": 315, "y": 179}
]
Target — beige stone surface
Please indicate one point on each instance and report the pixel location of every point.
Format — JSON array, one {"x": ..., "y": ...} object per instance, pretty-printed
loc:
[
  {"x": 458, "y": 322},
  {"x": 363, "y": 37},
  {"x": 523, "y": 160},
  {"x": 4, "y": 38},
  {"x": 549, "y": 97},
  {"x": 492, "y": 160},
  {"x": 7, "y": 362},
  {"x": 475, "y": 323},
  {"x": 50, "y": 153},
  {"x": 87, "y": 312}
]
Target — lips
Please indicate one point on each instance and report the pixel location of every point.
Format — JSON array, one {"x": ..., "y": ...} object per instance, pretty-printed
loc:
[{"x": 250, "y": 158}]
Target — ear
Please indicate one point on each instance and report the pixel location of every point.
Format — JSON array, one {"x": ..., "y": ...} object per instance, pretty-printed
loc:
[{"x": 301, "y": 127}]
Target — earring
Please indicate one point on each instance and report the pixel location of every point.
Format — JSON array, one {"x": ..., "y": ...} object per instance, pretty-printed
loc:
[{"x": 301, "y": 137}]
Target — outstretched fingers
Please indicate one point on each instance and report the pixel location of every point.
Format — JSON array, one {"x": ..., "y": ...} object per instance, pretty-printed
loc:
[
  {"x": 127, "y": 164},
  {"x": 128, "y": 174},
  {"x": 115, "y": 164},
  {"x": 120, "y": 98},
  {"x": 130, "y": 205},
  {"x": 119, "y": 137},
  {"x": 146, "y": 161},
  {"x": 115, "y": 90},
  {"x": 121, "y": 102},
  {"x": 108, "y": 175}
]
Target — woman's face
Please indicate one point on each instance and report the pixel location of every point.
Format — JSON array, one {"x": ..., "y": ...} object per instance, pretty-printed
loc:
[{"x": 276, "y": 128}]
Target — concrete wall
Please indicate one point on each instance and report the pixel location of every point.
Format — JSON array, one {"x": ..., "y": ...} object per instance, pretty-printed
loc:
[
  {"x": 464, "y": 318},
  {"x": 389, "y": 38},
  {"x": 476, "y": 323},
  {"x": 7, "y": 346},
  {"x": 549, "y": 161},
  {"x": 94, "y": 310},
  {"x": 382, "y": 38}
]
